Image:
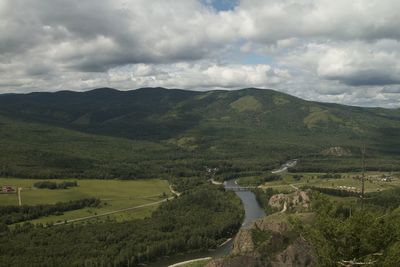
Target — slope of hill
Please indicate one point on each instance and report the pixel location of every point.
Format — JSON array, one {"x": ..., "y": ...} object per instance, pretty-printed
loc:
[{"x": 159, "y": 132}]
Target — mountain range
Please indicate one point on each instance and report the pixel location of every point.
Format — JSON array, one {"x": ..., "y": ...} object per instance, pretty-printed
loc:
[{"x": 157, "y": 132}]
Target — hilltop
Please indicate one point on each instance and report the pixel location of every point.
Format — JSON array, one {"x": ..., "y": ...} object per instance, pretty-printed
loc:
[{"x": 157, "y": 132}]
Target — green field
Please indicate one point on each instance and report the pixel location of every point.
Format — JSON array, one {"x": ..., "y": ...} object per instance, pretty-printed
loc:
[
  {"x": 372, "y": 183},
  {"x": 114, "y": 195}
]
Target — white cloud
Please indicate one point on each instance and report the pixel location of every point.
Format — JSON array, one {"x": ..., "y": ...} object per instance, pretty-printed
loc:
[
  {"x": 273, "y": 20},
  {"x": 352, "y": 63},
  {"x": 318, "y": 49},
  {"x": 199, "y": 76}
]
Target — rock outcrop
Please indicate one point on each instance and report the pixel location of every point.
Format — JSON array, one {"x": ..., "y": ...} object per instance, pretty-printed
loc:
[
  {"x": 271, "y": 241},
  {"x": 298, "y": 254},
  {"x": 236, "y": 261},
  {"x": 296, "y": 200},
  {"x": 243, "y": 243}
]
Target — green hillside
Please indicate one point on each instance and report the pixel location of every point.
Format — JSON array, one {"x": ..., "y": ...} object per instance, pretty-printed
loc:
[{"x": 155, "y": 132}]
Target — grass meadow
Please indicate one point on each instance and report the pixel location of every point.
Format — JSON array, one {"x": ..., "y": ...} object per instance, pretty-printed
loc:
[{"x": 114, "y": 195}]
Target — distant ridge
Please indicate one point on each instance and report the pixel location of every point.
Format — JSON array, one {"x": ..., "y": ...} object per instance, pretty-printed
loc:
[{"x": 247, "y": 129}]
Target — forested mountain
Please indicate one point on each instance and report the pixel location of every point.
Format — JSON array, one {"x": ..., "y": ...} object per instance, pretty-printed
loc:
[{"x": 158, "y": 132}]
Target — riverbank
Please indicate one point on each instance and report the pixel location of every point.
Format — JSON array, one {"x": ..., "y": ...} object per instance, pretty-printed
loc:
[
  {"x": 215, "y": 182},
  {"x": 252, "y": 212},
  {"x": 189, "y": 262}
]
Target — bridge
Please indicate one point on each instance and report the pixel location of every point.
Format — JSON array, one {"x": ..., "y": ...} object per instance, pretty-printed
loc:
[{"x": 240, "y": 188}]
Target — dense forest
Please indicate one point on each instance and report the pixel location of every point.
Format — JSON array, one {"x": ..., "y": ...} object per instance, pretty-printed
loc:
[
  {"x": 199, "y": 219},
  {"x": 155, "y": 132},
  {"x": 189, "y": 138}
]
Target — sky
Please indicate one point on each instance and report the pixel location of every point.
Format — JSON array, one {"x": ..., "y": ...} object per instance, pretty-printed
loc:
[{"x": 338, "y": 51}]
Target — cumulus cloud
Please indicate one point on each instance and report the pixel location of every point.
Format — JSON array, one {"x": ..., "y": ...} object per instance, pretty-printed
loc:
[
  {"x": 98, "y": 35},
  {"x": 272, "y": 20},
  {"x": 352, "y": 63},
  {"x": 317, "y": 49},
  {"x": 196, "y": 76}
]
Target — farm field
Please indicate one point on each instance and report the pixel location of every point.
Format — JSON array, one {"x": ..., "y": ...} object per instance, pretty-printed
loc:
[
  {"x": 114, "y": 195},
  {"x": 374, "y": 181}
]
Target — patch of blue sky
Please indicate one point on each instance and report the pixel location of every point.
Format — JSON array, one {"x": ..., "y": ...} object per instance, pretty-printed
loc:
[
  {"x": 255, "y": 58},
  {"x": 221, "y": 5},
  {"x": 236, "y": 56}
]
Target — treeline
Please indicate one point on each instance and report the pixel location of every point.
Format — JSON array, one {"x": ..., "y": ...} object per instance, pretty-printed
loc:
[
  {"x": 54, "y": 185},
  {"x": 389, "y": 199},
  {"x": 333, "y": 191},
  {"x": 333, "y": 165},
  {"x": 258, "y": 180},
  {"x": 163, "y": 166},
  {"x": 16, "y": 214},
  {"x": 183, "y": 184},
  {"x": 200, "y": 219},
  {"x": 330, "y": 176}
]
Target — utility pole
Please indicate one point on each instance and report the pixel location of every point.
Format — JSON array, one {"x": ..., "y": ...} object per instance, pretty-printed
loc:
[{"x": 363, "y": 176}]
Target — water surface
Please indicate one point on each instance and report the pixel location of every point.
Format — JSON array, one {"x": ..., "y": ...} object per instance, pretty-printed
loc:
[{"x": 253, "y": 211}]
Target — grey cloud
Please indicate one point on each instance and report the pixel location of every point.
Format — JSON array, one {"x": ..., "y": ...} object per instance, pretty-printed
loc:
[
  {"x": 140, "y": 31},
  {"x": 272, "y": 20},
  {"x": 319, "y": 49},
  {"x": 366, "y": 77},
  {"x": 350, "y": 63},
  {"x": 391, "y": 90}
]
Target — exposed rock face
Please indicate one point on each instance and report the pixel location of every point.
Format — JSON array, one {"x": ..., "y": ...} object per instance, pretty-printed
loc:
[
  {"x": 298, "y": 254},
  {"x": 337, "y": 151},
  {"x": 265, "y": 224},
  {"x": 243, "y": 243},
  {"x": 237, "y": 261},
  {"x": 277, "y": 201},
  {"x": 274, "y": 250},
  {"x": 297, "y": 199}
]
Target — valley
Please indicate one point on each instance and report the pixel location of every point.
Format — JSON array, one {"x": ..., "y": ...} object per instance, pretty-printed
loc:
[
  {"x": 199, "y": 133},
  {"x": 152, "y": 172}
]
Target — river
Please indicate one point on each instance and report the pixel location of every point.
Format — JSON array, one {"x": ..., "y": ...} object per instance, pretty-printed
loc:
[{"x": 253, "y": 211}]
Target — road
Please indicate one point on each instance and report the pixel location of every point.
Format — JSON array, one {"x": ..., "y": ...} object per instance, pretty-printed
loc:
[
  {"x": 174, "y": 192},
  {"x": 284, "y": 167},
  {"x": 120, "y": 210},
  {"x": 113, "y": 212},
  {"x": 19, "y": 196},
  {"x": 284, "y": 207},
  {"x": 295, "y": 187},
  {"x": 215, "y": 182}
]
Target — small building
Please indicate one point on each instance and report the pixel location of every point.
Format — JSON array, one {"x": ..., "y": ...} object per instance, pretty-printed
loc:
[{"x": 8, "y": 189}]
